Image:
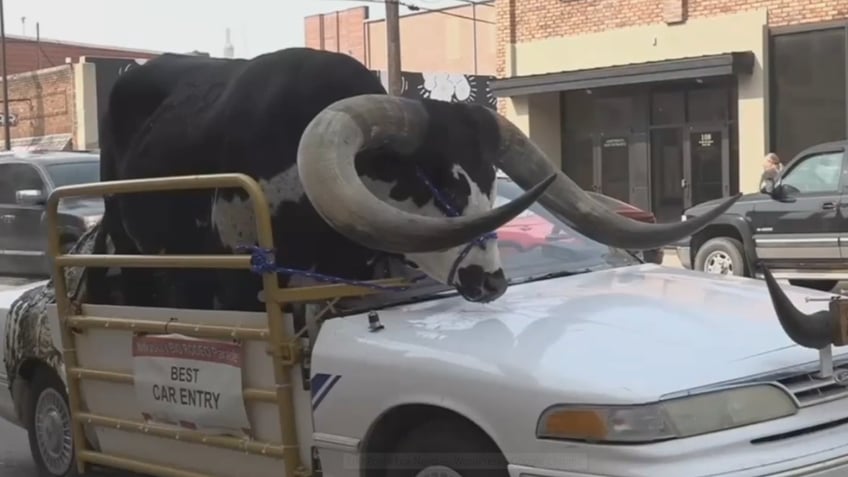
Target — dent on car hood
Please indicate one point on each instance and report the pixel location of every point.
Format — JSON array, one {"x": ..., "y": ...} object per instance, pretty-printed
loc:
[{"x": 624, "y": 335}]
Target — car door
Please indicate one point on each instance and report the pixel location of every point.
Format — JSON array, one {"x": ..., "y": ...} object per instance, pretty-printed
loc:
[
  {"x": 7, "y": 204},
  {"x": 802, "y": 226},
  {"x": 26, "y": 234}
]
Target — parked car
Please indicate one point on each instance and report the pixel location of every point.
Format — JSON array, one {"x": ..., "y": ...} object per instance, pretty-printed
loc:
[
  {"x": 795, "y": 226},
  {"x": 535, "y": 225},
  {"x": 26, "y": 180}
]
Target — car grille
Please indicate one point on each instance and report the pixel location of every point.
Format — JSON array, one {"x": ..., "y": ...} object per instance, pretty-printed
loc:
[{"x": 810, "y": 389}]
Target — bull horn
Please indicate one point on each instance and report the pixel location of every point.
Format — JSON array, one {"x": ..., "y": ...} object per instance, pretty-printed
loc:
[
  {"x": 325, "y": 161},
  {"x": 525, "y": 164},
  {"x": 809, "y": 331}
]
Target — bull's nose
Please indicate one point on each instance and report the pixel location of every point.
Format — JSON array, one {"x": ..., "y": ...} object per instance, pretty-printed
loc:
[
  {"x": 495, "y": 283},
  {"x": 479, "y": 286}
]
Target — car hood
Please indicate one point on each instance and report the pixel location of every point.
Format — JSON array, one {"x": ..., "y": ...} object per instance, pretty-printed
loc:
[
  {"x": 631, "y": 334},
  {"x": 745, "y": 203},
  {"x": 9, "y": 293}
]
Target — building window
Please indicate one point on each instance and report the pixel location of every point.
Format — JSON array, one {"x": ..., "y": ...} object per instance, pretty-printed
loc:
[
  {"x": 668, "y": 107},
  {"x": 708, "y": 105},
  {"x": 808, "y": 84}
]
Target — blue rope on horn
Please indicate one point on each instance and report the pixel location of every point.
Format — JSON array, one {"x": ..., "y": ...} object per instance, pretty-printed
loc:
[{"x": 262, "y": 259}]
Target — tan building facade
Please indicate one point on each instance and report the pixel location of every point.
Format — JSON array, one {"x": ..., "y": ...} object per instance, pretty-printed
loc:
[
  {"x": 450, "y": 40},
  {"x": 669, "y": 103}
]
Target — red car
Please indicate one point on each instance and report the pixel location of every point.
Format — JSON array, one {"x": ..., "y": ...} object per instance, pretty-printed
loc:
[{"x": 530, "y": 229}]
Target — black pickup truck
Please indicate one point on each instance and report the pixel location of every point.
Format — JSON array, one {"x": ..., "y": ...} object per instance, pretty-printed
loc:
[{"x": 797, "y": 225}]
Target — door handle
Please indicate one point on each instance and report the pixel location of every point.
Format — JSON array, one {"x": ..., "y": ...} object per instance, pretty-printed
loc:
[
  {"x": 682, "y": 183},
  {"x": 8, "y": 218},
  {"x": 828, "y": 206}
]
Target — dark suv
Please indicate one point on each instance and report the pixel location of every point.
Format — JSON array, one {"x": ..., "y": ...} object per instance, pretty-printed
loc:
[
  {"x": 797, "y": 226},
  {"x": 26, "y": 180}
]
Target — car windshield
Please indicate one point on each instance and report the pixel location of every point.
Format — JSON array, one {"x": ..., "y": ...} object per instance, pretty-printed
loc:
[
  {"x": 533, "y": 246},
  {"x": 72, "y": 173}
]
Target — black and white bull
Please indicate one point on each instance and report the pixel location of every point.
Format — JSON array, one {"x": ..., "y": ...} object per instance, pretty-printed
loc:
[{"x": 351, "y": 173}]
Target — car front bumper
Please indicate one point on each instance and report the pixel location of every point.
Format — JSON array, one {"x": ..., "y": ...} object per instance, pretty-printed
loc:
[
  {"x": 810, "y": 443},
  {"x": 685, "y": 257},
  {"x": 837, "y": 467}
]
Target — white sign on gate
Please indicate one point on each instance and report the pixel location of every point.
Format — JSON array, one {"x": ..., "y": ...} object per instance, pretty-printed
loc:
[{"x": 190, "y": 383}]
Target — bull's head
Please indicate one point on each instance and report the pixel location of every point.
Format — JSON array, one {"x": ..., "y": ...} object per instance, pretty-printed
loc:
[{"x": 459, "y": 147}]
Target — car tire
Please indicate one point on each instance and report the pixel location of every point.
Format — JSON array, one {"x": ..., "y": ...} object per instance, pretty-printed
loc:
[
  {"x": 821, "y": 285},
  {"x": 446, "y": 448},
  {"x": 48, "y": 423},
  {"x": 721, "y": 256}
]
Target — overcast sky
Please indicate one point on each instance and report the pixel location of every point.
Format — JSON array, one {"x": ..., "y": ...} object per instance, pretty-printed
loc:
[{"x": 257, "y": 26}]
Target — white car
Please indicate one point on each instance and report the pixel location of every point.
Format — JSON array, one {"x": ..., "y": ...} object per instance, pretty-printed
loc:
[{"x": 592, "y": 364}]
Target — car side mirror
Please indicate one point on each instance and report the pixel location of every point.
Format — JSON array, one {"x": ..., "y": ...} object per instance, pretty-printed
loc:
[
  {"x": 784, "y": 192},
  {"x": 30, "y": 197}
]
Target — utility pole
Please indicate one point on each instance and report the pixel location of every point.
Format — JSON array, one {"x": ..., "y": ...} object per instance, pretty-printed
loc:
[
  {"x": 5, "y": 81},
  {"x": 392, "y": 46}
]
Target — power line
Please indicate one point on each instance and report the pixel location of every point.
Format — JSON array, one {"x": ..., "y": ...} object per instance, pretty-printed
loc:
[
  {"x": 416, "y": 8},
  {"x": 484, "y": 3}
]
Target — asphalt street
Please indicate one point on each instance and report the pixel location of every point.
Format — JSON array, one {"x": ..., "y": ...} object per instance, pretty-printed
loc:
[{"x": 15, "y": 460}]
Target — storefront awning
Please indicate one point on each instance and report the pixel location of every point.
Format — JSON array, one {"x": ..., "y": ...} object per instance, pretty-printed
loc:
[
  {"x": 49, "y": 142},
  {"x": 725, "y": 64}
]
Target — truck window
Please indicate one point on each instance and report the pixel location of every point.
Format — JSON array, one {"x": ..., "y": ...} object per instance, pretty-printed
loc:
[{"x": 816, "y": 173}]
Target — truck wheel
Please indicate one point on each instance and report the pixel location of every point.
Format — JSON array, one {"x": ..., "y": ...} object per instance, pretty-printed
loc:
[
  {"x": 722, "y": 256},
  {"x": 49, "y": 427},
  {"x": 821, "y": 285},
  {"x": 446, "y": 448}
]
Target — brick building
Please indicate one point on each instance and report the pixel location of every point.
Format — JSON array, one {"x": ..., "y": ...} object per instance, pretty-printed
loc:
[
  {"x": 26, "y": 53},
  {"x": 53, "y": 90},
  {"x": 669, "y": 103},
  {"x": 440, "y": 40}
]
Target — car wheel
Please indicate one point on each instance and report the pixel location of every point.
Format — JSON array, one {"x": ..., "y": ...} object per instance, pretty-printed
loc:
[
  {"x": 721, "y": 256},
  {"x": 49, "y": 427},
  {"x": 821, "y": 285},
  {"x": 446, "y": 448}
]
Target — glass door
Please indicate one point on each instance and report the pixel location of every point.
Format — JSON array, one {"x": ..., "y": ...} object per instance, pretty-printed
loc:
[
  {"x": 615, "y": 166},
  {"x": 708, "y": 164},
  {"x": 667, "y": 174}
]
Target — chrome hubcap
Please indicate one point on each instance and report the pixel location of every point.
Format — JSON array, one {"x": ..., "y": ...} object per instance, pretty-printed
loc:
[
  {"x": 53, "y": 432},
  {"x": 719, "y": 263},
  {"x": 437, "y": 471}
]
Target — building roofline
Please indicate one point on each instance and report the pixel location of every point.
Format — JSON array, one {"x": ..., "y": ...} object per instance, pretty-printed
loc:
[
  {"x": 117, "y": 49},
  {"x": 316, "y": 15},
  {"x": 431, "y": 10}
]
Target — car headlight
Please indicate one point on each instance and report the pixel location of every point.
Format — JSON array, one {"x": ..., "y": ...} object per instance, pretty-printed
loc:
[
  {"x": 683, "y": 218},
  {"x": 670, "y": 419},
  {"x": 91, "y": 220}
]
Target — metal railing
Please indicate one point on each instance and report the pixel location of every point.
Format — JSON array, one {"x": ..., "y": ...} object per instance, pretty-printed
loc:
[{"x": 285, "y": 350}]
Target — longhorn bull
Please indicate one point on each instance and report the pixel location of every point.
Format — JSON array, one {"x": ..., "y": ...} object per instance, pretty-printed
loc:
[{"x": 351, "y": 174}]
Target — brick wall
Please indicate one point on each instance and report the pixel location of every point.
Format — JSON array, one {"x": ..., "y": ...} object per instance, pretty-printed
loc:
[
  {"x": 43, "y": 102},
  {"x": 341, "y": 31},
  {"x": 528, "y": 20},
  {"x": 25, "y": 54}
]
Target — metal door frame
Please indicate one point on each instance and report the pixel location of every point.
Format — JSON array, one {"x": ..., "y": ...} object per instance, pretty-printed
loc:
[{"x": 724, "y": 129}]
